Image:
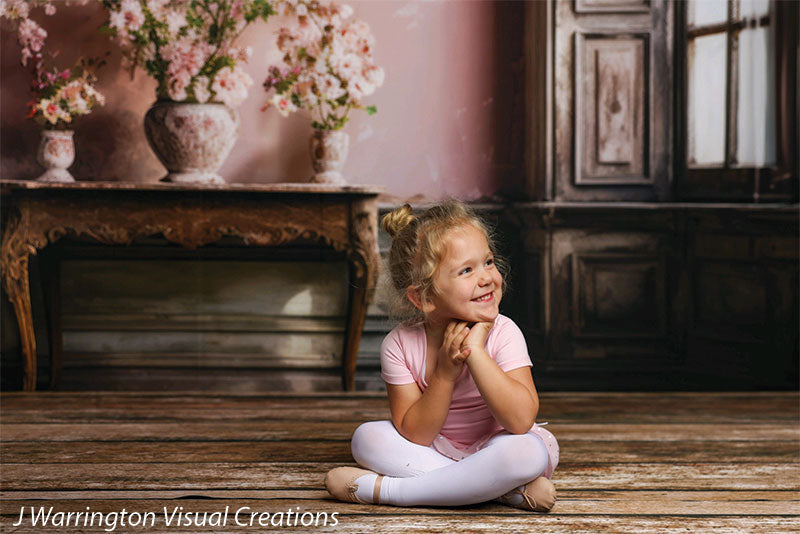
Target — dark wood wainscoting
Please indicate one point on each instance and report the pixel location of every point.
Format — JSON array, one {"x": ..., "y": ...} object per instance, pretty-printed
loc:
[{"x": 667, "y": 296}]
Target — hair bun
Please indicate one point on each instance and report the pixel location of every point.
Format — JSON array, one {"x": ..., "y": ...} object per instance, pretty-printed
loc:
[{"x": 394, "y": 221}]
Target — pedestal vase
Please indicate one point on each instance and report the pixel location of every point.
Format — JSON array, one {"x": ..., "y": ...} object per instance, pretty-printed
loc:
[
  {"x": 56, "y": 154},
  {"x": 328, "y": 154},
  {"x": 191, "y": 140}
]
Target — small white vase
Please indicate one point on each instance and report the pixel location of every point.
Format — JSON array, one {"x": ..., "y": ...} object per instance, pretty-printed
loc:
[
  {"x": 191, "y": 140},
  {"x": 328, "y": 154},
  {"x": 56, "y": 154}
]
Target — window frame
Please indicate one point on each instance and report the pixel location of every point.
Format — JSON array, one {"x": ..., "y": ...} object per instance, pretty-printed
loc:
[{"x": 730, "y": 181}]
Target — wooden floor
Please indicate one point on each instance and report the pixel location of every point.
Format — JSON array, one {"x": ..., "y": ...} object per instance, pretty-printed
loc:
[{"x": 639, "y": 463}]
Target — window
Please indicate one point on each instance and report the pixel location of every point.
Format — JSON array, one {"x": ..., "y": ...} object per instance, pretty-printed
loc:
[{"x": 739, "y": 99}]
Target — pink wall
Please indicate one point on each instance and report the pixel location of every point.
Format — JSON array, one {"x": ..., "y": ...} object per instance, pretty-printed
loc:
[{"x": 449, "y": 119}]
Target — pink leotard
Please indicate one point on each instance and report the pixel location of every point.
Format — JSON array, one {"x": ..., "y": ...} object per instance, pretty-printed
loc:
[{"x": 469, "y": 423}]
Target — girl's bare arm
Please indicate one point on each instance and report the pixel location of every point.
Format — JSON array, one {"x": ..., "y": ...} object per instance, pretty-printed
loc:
[
  {"x": 511, "y": 396},
  {"x": 420, "y": 416}
]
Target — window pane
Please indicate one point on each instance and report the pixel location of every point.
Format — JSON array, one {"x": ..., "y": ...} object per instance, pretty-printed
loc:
[
  {"x": 756, "y": 102},
  {"x": 754, "y": 8},
  {"x": 706, "y": 117},
  {"x": 703, "y": 12}
]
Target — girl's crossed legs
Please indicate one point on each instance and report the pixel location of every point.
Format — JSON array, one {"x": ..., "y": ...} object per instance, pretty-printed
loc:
[{"x": 419, "y": 475}]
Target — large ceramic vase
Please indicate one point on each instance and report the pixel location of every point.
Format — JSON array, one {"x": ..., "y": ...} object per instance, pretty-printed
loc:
[
  {"x": 191, "y": 140},
  {"x": 56, "y": 154},
  {"x": 328, "y": 154}
]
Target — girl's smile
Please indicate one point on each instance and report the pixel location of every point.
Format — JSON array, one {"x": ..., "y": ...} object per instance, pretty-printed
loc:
[{"x": 488, "y": 297}]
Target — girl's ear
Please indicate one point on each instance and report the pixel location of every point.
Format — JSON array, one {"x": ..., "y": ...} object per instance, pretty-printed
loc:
[
  {"x": 412, "y": 293},
  {"x": 414, "y": 296}
]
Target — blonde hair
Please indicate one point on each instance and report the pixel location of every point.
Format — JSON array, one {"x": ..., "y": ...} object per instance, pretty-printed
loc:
[{"x": 418, "y": 243}]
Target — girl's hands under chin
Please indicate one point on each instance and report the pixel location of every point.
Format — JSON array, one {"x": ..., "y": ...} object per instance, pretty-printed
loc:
[
  {"x": 453, "y": 352},
  {"x": 476, "y": 339}
]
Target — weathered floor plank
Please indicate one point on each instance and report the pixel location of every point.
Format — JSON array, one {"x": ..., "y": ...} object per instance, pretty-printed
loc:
[
  {"x": 728, "y": 503},
  {"x": 98, "y": 407},
  {"x": 264, "y": 475},
  {"x": 456, "y": 521},
  {"x": 630, "y": 462},
  {"x": 297, "y": 430},
  {"x": 339, "y": 451}
]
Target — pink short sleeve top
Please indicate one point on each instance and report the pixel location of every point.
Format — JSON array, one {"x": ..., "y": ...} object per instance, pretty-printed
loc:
[{"x": 403, "y": 357}]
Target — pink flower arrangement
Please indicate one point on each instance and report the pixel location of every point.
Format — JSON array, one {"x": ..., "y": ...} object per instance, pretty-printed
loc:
[
  {"x": 187, "y": 45},
  {"x": 59, "y": 96},
  {"x": 62, "y": 96},
  {"x": 328, "y": 67}
]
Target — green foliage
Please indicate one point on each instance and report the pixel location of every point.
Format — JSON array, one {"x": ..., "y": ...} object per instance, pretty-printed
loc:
[
  {"x": 213, "y": 33},
  {"x": 193, "y": 19},
  {"x": 156, "y": 68},
  {"x": 286, "y": 83},
  {"x": 107, "y": 30},
  {"x": 296, "y": 100},
  {"x": 216, "y": 64},
  {"x": 259, "y": 9},
  {"x": 331, "y": 123}
]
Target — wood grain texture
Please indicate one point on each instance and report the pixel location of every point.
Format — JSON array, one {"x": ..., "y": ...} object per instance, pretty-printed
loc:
[
  {"x": 569, "y": 504},
  {"x": 611, "y": 101},
  {"x": 448, "y": 522},
  {"x": 285, "y": 475},
  {"x": 575, "y": 407},
  {"x": 732, "y": 466},
  {"x": 86, "y": 452},
  {"x": 289, "y": 430},
  {"x": 612, "y": 75}
]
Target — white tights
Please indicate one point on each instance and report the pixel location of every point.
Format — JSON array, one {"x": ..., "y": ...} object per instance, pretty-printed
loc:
[{"x": 419, "y": 475}]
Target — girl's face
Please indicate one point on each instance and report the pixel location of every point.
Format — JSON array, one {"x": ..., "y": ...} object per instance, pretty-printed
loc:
[{"x": 468, "y": 286}]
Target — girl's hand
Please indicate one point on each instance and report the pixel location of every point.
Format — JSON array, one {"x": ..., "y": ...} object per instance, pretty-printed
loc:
[
  {"x": 453, "y": 353},
  {"x": 476, "y": 339}
]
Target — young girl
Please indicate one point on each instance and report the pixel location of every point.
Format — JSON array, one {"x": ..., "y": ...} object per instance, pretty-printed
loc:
[{"x": 457, "y": 373}]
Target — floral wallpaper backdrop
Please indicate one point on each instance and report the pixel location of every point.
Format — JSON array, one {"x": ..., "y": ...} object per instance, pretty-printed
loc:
[{"x": 450, "y": 118}]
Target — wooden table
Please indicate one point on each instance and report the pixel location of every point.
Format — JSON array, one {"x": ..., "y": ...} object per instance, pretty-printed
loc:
[{"x": 39, "y": 214}]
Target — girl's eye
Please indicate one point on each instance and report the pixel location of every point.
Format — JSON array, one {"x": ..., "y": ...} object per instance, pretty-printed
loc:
[
  {"x": 490, "y": 261},
  {"x": 465, "y": 270}
]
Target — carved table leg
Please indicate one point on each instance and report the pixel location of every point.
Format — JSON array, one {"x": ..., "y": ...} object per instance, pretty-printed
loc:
[
  {"x": 18, "y": 290},
  {"x": 14, "y": 254},
  {"x": 364, "y": 265},
  {"x": 357, "y": 312}
]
